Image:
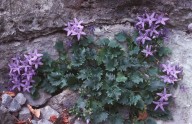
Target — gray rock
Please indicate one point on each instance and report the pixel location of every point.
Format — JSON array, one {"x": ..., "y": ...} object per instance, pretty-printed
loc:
[
  {"x": 66, "y": 99},
  {"x": 6, "y": 117},
  {"x": 79, "y": 121},
  {"x": 33, "y": 121},
  {"x": 44, "y": 121},
  {"x": 24, "y": 114},
  {"x": 2, "y": 108},
  {"x": 190, "y": 27},
  {"x": 47, "y": 112},
  {"x": 44, "y": 97},
  {"x": 20, "y": 98},
  {"x": 6, "y": 100},
  {"x": 14, "y": 106}
]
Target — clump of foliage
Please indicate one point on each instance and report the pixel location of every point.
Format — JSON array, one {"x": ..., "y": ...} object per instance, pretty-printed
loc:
[
  {"x": 22, "y": 70},
  {"x": 112, "y": 74}
]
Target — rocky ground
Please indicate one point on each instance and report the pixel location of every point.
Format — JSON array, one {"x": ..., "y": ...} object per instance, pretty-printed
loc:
[{"x": 26, "y": 25}]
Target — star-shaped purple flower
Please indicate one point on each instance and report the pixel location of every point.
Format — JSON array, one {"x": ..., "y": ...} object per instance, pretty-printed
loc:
[
  {"x": 175, "y": 72},
  {"x": 141, "y": 22},
  {"x": 164, "y": 96},
  {"x": 75, "y": 28},
  {"x": 150, "y": 19},
  {"x": 143, "y": 37},
  {"x": 167, "y": 68},
  {"x": 153, "y": 30},
  {"x": 168, "y": 79},
  {"x": 147, "y": 51},
  {"x": 160, "y": 104},
  {"x": 161, "y": 19}
]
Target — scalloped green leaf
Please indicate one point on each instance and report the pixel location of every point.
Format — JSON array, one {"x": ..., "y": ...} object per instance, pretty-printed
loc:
[
  {"x": 121, "y": 78},
  {"x": 113, "y": 44},
  {"x": 121, "y": 37}
]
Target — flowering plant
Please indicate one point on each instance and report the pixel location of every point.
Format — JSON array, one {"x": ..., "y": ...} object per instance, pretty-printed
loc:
[
  {"x": 22, "y": 70},
  {"x": 111, "y": 75}
]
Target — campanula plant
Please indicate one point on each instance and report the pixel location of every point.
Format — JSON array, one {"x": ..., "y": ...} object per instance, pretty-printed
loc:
[{"x": 110, "y": 75}]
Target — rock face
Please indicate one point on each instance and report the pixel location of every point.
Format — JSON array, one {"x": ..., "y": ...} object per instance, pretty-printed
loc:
[
  {"x": 47, "y": 112},
  {"x": 37, "y": 24},
  {"x": 66, "y": 99},
  {"x": 6, "y": 117},
  {"x": 37, "y": 102},
  {"x": 44, "y": 121},
  {"x": 24, "y": 114}
]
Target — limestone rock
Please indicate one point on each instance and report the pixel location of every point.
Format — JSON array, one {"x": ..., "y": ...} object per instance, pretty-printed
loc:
[
  {"x": 33, "y": 121},
  {"x": 44, "y": 121},
  {"x": 37, "y": 102},
  {"x": 79, "y": 121},
  {"x": 47, "y": 112},
  {"x": 6, "y": 100},
  {"x": 65, "y": 99},
  {"x": 24, "y": 114},
  {"x": 14, "y": 106},
  {"x": 20, "y": 98},
  {"x": 6, "y": 117}
]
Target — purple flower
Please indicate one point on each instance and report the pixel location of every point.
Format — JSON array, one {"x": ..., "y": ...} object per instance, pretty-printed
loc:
[
  {"x": 22, "y": 70},
  {"x": 160, "y": 104},
  {"x": 175, "y": 72},
  {"x": 141, "y": 22},
  {"x": 152, "y": 31},
  {"x": 143, "y": 37},
  {"x": 164, "y": 96},
  {"x": 167, "y": 68},
  {"x": 161, "y": 19},
  {"x": 147, "y": 51},
  {"x": 75, "y": 28},
  {"x": 168, "y": 79},
  {"x": 68, "y": 43},
  {"x": 150, "y": 18}
]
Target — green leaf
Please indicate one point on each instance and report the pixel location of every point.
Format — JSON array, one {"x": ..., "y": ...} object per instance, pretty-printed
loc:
[
  {"x": 121, "y": 37},
  {"x": 150, "y": 121},
  {"x": 136, "y": 78},
  {"x": 153, "y": 71},
  {"x": 117, "y": 120},
  {"x": 63, "y": 83},
  {"x": 135, "y": 99},
  {"x": 121, "y": 78},
  {"x": 104, "y": 41},
  {"x": 156, "y": 85},
  {"x": 164, "y": 51},
  {"x": 59, "y": 46},
  {"x": 113, "y": 44},
  {"x": 101, "y": 117}
]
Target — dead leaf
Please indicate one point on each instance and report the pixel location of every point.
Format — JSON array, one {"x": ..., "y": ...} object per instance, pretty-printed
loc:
[
  {"x": 142, "y": 115},
  {"x": 36, "y": 112},
  {"x": 65, "y": 116},
  {"x": 12, "y": 94},
  {"x": 53, "y": 118},
  {"x": 20, "y": 122}
]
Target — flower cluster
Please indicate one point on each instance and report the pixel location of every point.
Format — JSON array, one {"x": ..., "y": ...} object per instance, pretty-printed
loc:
[
  {"x": 22, "y": 70},
  {"x": 172, "y": 73},
  {"x": 163, "y": 100},
  {"x": 150, "y": 26},
  {"x": 75, "y": 28}
]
